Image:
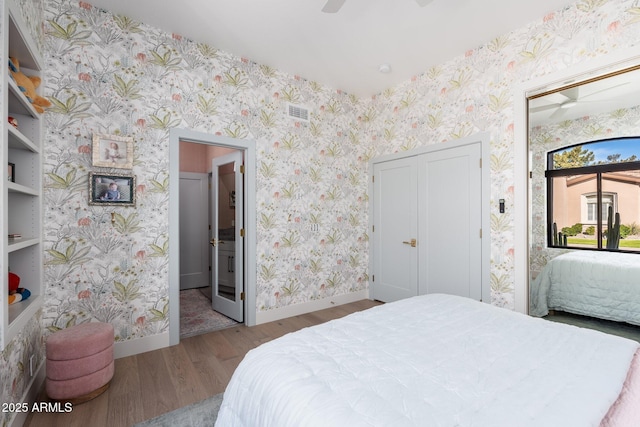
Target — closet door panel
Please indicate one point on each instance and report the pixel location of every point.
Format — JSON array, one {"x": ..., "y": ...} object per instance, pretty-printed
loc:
[
  {"x": 450, "y": 188},
  {"x": 395, "y": 264}
]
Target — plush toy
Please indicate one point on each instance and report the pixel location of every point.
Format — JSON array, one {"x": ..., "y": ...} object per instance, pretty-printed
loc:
[
  {"x": 16, "y": 293},
  {"x": 28, "y": 85}
]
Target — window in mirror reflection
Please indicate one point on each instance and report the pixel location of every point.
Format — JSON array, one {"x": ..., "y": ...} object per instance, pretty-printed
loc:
[{"x": 594, "y": 196}]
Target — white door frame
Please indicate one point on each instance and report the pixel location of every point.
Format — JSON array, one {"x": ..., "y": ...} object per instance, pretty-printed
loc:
[
  {"x": 609, "y": 63},
  {"x": 484, "y": 139},
  {"x": 248, "y": 146}
]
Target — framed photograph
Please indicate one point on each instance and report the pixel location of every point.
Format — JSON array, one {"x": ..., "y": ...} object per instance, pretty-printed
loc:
[
  {"x": 11, "y": 172},
  {"x": 112, "y": 189},
  {"x": 112, "y": 151}
]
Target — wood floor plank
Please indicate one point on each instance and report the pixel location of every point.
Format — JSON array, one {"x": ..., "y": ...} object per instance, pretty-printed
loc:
[
  {"x": 214, "y": 376},
  {"x": 184, "y": 379},
  {"x": 149, "y": 384},
  {"x": 158, "y": 392},
  {"x": 125, "y": 400}
]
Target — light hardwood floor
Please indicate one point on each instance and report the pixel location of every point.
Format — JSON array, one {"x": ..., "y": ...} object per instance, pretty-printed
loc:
[{"x": 149, "y": 384}]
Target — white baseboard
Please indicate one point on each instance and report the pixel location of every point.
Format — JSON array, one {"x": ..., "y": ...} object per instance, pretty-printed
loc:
[
  {"x": 308, "y": 307},
  {"x": 142, "y": 345},
  {"x": 30, "y": 395}
]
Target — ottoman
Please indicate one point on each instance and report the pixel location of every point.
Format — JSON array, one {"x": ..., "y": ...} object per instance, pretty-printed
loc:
[{"x": 79, "y": 362}]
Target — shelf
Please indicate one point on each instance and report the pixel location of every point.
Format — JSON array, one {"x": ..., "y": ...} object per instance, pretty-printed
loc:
[
  {"x": 24, "y": 242},
  {"x": 21, "y": 312},
  {"x": 21, "y": 43},
  {"x": 18, "y": 141},
  {"x": 22, "y": 189},
  {"x": 19, "y": 104}
]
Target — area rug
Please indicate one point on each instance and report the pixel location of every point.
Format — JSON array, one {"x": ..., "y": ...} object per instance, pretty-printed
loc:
[
  {"x": 197, "y": 317},
  {"x": 199, "y": 414}
]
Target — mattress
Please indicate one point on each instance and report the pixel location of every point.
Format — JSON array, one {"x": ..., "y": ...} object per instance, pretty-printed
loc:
[
  {"x": 597, "y": 284},
  {"x": 431, "y": 360}
]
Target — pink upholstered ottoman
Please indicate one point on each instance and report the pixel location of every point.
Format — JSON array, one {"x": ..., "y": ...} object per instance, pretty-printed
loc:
[{"x": 79, "y": 362}]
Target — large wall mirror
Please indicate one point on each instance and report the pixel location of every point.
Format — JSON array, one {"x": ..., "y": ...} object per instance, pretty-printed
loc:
[{"x": 584, "y": 163}]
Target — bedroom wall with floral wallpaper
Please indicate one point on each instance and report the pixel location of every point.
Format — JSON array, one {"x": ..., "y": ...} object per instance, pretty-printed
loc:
[
  {"x": 618, "y": 123},
  {"x": 474, "y": 92},
  {"x": 113, "y": 75},
  {"x": 110, "y": 74}
]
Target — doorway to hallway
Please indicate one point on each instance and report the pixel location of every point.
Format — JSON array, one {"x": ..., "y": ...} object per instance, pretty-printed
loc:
[{"x": 234, "y": 220}]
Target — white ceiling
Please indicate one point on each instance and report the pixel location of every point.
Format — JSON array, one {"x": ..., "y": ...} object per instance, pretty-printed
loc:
[{"x": 342, "y": 50}]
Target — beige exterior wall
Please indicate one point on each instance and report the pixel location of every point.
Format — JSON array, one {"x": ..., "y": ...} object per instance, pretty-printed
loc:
[{"x": 569, "y": 198}]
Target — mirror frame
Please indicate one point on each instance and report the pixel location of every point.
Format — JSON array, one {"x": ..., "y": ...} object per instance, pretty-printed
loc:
[{"x": 579, "y": 74}]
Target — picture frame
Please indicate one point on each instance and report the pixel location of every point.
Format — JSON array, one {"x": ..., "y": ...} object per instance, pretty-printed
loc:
[
  {"x": 11, "y": 172},
  {"x": 112, "y": 189},
  {"x": 112, "y": 151}
]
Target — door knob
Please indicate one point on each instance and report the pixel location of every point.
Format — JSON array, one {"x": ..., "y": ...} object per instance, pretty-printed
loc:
[
  {"x": 413, "y": 243},
  {"x": 216, "y": 242}
]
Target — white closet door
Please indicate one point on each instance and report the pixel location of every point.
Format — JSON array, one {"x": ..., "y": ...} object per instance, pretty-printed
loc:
[
  {"x": 395, "y": 265},
  {"x": 450, "y": 212}
]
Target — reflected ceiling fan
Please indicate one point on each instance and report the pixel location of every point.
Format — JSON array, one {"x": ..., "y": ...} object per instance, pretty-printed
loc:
[
  {"x": 332, "y": 6},
  {"x": 569, "y": 98}
]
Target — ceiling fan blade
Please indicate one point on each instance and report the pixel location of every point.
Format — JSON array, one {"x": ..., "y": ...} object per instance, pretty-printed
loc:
[
  {"x": 602, "y": 90},
  {"x": 544, "y": 108},
  {"x": 558, "y": 113},
  {"x": 423, "y": 3},
  {"x": 572, "y": 93},
  {"x": 332, "y": 6}
]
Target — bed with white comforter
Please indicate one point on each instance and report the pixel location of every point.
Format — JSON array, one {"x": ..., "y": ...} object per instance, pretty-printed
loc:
[
  {"x": 597, "y": 284},
  {"x": 432, "y": 360}
]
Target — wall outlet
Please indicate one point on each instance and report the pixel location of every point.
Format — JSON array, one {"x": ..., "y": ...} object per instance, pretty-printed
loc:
[{"x": 31, "y": 365}]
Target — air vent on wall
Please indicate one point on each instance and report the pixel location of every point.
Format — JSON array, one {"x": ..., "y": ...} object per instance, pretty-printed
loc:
[{"x": 298, "y": 112}]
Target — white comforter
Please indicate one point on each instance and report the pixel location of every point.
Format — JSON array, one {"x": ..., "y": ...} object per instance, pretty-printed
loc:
[
  {"x": 433, "y": 360},
  {"x": 597, "y": 284}
]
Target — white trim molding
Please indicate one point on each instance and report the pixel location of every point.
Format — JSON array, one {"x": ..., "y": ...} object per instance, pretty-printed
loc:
[{"x": 308, "y": 307}]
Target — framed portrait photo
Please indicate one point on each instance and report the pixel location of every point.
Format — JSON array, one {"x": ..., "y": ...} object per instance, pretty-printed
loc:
[
  {"x": 112, "y": 189},
  {"x": 11, "y": 172},
  {"x": 112, "y": 151}
]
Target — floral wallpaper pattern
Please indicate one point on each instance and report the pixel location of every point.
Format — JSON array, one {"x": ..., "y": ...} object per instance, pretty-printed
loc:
[
  {"x": 618, "y": 123},
  {"x": 474, "y": 92},
  {"x": 110, "y": 74}
]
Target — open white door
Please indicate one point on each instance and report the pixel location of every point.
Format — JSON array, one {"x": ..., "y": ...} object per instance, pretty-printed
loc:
[{"x": 227, "y": 211}]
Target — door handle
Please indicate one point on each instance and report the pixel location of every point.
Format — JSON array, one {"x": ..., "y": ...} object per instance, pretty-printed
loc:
[
  {"x": 413, "y": 243},
  {"x": 216, "y": 242}
]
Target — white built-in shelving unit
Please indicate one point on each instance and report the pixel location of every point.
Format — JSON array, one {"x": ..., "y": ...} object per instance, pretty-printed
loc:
[{"x": 21, "y": 201}]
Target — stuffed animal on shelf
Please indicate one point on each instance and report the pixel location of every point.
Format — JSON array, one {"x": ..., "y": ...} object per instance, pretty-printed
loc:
[
  {"x": 28, "y": 85},
  {"x": 16, "y": 293}
]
